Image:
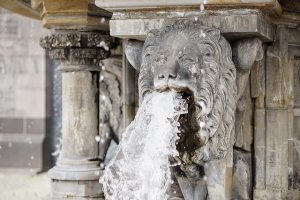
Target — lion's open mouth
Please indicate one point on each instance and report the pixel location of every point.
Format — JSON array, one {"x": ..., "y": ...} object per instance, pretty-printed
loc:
[{"x": 189, "y": 127}]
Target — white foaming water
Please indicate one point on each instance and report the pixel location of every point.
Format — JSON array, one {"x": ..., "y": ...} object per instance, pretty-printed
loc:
[{"x": 141, "y": 167}]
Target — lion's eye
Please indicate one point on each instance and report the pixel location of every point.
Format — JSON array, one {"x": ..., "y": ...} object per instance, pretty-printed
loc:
[
  {"x": 208, "y": 53},
  {"x": 161, "y": 59},
  {"x": 187, "y": 59}
]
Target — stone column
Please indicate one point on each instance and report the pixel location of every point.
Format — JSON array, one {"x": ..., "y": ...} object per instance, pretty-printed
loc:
[{"x": 77, "y": 171}]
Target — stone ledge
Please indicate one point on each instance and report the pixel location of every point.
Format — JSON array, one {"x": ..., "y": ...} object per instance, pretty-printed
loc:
[
  {"x": 158, "y": 4},
  {"x": 250, "y": 23}
]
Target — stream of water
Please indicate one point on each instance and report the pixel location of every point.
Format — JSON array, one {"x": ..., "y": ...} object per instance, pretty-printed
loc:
[{"x": 141, "y": 168}]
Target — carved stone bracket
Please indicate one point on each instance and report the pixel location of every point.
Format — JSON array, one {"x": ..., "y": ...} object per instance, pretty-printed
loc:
[{"x": 247, "y": 55}]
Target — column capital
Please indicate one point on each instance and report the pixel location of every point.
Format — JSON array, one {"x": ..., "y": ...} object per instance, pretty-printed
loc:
[{"x": 79, "y": 51}]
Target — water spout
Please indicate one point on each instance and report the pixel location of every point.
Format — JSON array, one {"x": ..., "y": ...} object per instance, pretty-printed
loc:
[{"x": 141, "y": 167}]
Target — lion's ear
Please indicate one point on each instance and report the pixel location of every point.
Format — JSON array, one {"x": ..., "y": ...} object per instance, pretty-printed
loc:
[
  {"x": 133, "y": 51},
  {"x": 214, "y": 33}
]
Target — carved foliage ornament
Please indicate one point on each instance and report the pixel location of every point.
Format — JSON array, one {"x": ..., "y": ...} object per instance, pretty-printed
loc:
[
  {"x": 79, "y": 48},
  {"x": 195, "y": 60}
]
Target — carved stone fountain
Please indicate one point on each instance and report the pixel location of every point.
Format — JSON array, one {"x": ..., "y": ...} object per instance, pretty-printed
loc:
[{"x": 236, "y": 63}]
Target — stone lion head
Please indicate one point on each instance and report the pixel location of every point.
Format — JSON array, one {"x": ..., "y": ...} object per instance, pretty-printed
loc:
[{"x": 196, "y": 61}]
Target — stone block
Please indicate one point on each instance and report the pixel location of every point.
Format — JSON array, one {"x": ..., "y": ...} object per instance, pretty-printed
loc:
[
  {"x": 11, "y": 125},
  {"x": 277, "y": 133},
  {"x": 242, "y": 175},
  {"x": 274, "y": 79},
  {"x": 232, "y": 25},
  {"x": 76, "y": 190},
  {"x": 22, "y": 151}
]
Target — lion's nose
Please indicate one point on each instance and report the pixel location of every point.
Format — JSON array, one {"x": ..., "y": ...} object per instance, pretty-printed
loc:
[{"x": 167, "y": 76}]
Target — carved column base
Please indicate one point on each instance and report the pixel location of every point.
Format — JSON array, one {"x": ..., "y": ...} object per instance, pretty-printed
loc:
[{"x": 76, "y": 183}]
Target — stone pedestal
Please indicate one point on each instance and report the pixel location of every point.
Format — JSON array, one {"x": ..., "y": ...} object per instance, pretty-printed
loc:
[{"x": 77, "y": 172}]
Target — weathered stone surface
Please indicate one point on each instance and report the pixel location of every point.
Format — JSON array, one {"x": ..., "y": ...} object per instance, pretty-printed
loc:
[
  {"x": 79, "y": 115},
  {"x": 244, "y": 122},
  {"x": 257, "y": 79},
  {"x": 24, "y": 151},
  {"x": 242, "y": 175},
  {"x": 130, "y": 89},
  {"x": 84, "y": 50},
  {"x": 276, "y": 151},
  {"x": 260, "y": 148},
  {"x": 133, "y": 51},
  {"x": 246, "y": 53},
  {"x": 74, "y": 15},
  {"x": 110, "y": 104},
  {"x": 246, "y": 23},
  {"x": 76, "y": 190},
  {"x": 162, "y": 5},
  {"x": 279, "y": 80},
  {"x": 294, "y": 136}
]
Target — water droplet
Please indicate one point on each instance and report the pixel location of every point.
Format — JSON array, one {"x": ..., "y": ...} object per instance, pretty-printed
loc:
[
  {"x": 10, "y": 145},
  {"x": 101, "y": 78},
  {"x": 103, "y": 45},
  {"x": 102, "y": 140},
  {"x": 97, "y": 138},
  {"x": 202, "y": 34},
  {"x": 201, "y": 7},
  {"x": 32, "y": 157},
  {"x": 102, "y": 165},
  {"x": 202, "y": 3},
  {"x": 196, "y": 19},
  {"x": 202, "y": 124},
  {"x": 102, "y": 20}
]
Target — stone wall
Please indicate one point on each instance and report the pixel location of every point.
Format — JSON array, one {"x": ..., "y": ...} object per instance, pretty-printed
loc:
[{"x": 24, "y": 106}]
